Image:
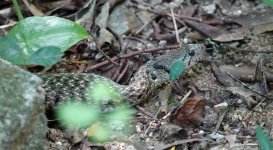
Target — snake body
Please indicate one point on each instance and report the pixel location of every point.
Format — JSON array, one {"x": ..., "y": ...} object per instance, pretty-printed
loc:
[{"x": 149, "y": 78}]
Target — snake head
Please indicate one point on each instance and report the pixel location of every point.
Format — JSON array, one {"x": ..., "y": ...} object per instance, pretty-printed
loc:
[{"x": 155, "y": 74}]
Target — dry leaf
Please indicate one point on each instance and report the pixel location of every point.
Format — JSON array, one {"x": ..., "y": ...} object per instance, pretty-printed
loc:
[{"x": 190, "y": 114}]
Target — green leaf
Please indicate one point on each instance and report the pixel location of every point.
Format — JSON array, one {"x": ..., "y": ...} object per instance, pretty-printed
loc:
[
  {"x": 177, "y": 69},
  {"x": 76, "y": 115},
  {"x": 268, "y": 2},
  {"x": 10, "y": 51},
  {"x": 101, "y": 91},
  {"x": 121, "y": 113},
  {"x": 118, "y": 121},
  {"x": 46, "y": 56},
  {"x": 263, "y": 139},
  {"x": 98, "y": 132},
  {"x": 34, "y": 33}
]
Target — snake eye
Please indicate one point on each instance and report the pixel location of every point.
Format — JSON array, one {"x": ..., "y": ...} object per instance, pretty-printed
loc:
[{"x": 191, "y": 53}]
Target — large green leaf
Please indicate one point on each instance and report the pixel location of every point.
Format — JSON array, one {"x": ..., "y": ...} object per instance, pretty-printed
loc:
[
  {"x": 10, "y": 51},
  {"x": 177, "y": 69},
  {"x": 46, "y": 56},
  {"x": 268, "y": 2},
  {"x": 34, "y": 33}
]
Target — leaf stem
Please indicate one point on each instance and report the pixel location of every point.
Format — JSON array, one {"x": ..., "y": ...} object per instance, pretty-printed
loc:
[{"x": 18, "y": 11}]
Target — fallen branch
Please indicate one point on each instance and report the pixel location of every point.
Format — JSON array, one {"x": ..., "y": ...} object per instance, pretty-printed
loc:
[{"x": 116, "y": 58}]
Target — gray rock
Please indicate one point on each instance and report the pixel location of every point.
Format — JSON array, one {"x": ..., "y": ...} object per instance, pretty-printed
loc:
[
  {"x": 209, "y": 9},
  {"x": 122, "y": 19},
  {"x": 22, "y": 119}
]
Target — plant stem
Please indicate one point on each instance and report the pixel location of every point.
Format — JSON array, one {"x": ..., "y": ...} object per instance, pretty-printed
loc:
[{"x": 18, "y": 11}]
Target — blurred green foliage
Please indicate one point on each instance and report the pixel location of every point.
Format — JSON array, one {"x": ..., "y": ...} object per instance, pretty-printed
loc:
[{"x": 105, "y": 113}]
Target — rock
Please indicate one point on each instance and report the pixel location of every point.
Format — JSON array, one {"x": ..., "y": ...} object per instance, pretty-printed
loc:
[
  {"x": 22, "y": 119},
  {"x": 122, "y": 19},
  {"x": 115, "y": 145},
  {"x": 209, "y": 9},
  {"x": 220, "y": 107},
  {"x": 216, "y": 136}
]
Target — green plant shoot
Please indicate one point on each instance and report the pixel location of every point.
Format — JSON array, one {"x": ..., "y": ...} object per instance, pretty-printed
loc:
[
  {"x": 263, "y": 140},
  {"x": 177, "y": 69}
]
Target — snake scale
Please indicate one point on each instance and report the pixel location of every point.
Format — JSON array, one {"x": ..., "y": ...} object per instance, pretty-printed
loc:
[{"x": 148, "y": 79}]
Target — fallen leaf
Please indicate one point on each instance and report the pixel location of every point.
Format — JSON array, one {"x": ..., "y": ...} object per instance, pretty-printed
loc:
[
  {"x": 262, "y": 28},
  {"x": 190, "y": 114},
  {"x": 205, "y": 29},
  {"x": 221, "y": 76},
  {"x": 244, "y": 94},
  {"x": 231, "y": 139},
  {"x": 254, "y": 19},
  {"x": 85, "y": 15},
  {"x": 234, "y": 35},
  {"x": 246, "y": 73}
]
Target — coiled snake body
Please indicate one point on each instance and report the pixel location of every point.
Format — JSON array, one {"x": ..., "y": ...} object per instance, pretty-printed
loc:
[{"x": 152, "y": 75}]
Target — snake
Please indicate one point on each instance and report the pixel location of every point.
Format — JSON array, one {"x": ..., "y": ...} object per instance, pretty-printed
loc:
[{"x": 150, "y": 78}]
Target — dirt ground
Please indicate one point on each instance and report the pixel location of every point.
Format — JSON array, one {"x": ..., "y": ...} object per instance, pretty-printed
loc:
[{"x": 217, "y": 104}]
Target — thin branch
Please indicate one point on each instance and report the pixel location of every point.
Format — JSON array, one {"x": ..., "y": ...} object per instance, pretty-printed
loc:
[
  {"x": 175, "y": 25},
  {"x": 107, "y": 57},
  {"x": 116, "y": 58}
]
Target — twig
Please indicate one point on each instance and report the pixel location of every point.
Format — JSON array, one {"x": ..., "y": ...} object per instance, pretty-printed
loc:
[
  {"x": 245, "y": 144},
  {"x": 98, "y": 47},
  {"x": 159, "y": 147},
  {"x": 8, "y": 25},
  {"x": 163, "y": 13},
  {"x": 177, "y": 16},
  {"x": 154, "y": 121},
  {"x": 75, "y": 62},
  {"x": 118, "y": 70},
  {"x": 181, "y": 103},
  {"x": 123, "y": 72},
  {"x": 172, "y": 47},
  {"x": 142, "y": 27},
  {"x": 117, "y": 37},
  {"x": 185, "y": 97},
  {"x": 251, "y": 51},
  {"x": 137, "y": 39},
  {"x": 146, "y": 113},
  {"x": 184, "y": 24},
  {"x": 220, "y": 119},
  {"x": 175, "y": 25},
  {"x": 59, "y": 7},
  {"x": 248, "y": 114},
  {"x": 33, "y": 9}
]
